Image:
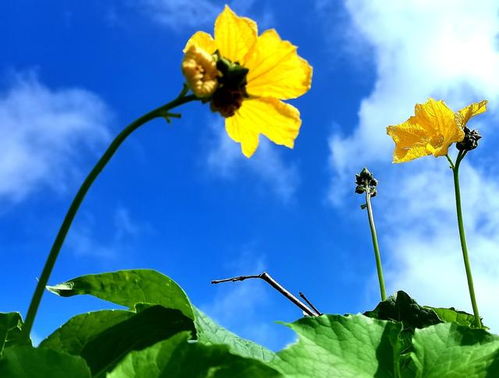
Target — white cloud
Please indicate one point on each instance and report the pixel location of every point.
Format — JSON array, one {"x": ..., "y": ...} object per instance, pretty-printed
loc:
[
  {"x": 425, "y": 254},
  {"x": 226, "y": 160},
  {"x": 42, "y": 134},
  {"x": 444, "y": 49}
]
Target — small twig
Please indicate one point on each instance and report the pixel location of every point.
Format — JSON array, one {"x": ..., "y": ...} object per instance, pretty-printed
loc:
[
  {"x": 234, "y": 279},
  {"x": 310, "y": 303},
  {"x": 267, "y": 278}
]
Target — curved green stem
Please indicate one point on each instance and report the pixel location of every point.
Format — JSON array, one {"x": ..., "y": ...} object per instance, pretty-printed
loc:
[
  {"x": 377, "y": 255},
  {"x": 162, "y": 111},
  {"x": 462, "y": 237}
]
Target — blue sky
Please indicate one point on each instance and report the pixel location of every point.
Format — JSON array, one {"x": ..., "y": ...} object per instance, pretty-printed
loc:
[{"x": 180, "y": 198}]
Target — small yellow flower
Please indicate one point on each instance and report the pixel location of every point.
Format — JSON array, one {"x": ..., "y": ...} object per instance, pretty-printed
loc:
[
  {"x": 432, "y": 129},
  {"x": 255, "y": 72}
]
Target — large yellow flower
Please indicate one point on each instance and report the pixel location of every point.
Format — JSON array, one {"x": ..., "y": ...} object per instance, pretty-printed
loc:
[
  {"x": 432, "y": 129},
  {"x": 255, "y": 72}
]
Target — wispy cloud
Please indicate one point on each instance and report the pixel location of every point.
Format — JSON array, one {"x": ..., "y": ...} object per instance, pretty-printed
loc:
[
  {"x": 445, "y": 49},
  {"x": 85, "y": 240},
  {"x": 178, "y": 14},
  {"x": 226, "y": 161},
  {"x": 42, "y": 134}
]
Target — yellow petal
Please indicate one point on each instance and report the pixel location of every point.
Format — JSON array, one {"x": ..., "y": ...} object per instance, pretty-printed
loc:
[
  {"x": 247, "y": 137},
  {"x": 276, "y": 69},
  {"x": 410, "y": 141},
  {"x": 234, "y": 35},
  {"x": 435, "y": 117},
  {"x": 464, "y": 115},
  {"x": 276, "y": 120},
  {"x": 203, "y": 41},
  {"x": 429, "y": 132}
]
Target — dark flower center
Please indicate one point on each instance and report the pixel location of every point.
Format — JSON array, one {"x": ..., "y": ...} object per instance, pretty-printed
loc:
[{"x": 231, "y": 90}]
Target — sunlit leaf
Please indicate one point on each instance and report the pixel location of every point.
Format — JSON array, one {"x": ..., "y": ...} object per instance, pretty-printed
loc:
[
  {"x": 341, "y": 346},
  {"x": 451, "y": 351},
  {"x": 210, "y": 333},
  {"x": 451, "y": 315},
  {"x": 129, "y": 287}
]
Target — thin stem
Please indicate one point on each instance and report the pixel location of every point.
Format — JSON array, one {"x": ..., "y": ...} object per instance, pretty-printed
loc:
[
  {"x": 310, "y": 303},
  {"x": 267, "y": 278},
  {"x": 462, "y": 238},
  {"x": 377, "y": 255},
  {"x": 451, "y": 163},
  {"x": 162, "y": 111}
]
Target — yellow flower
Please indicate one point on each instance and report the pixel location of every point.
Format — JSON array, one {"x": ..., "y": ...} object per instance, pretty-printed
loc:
[
  {"x": 432, "y": 129},
  {"x": 255, "y": 73}
]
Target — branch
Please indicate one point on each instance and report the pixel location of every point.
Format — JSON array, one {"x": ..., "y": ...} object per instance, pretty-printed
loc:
[
  {"x": 310, "y": 303},
  {"x": 267, "y": 278}
]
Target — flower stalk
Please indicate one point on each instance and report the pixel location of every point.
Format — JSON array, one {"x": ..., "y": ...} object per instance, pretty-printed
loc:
[
  {"x": 162, "y": 111},
  {"x": 366, "y": 183},
  {"x": 377, "y": 254},
  {"x": 462, "y": 235}
]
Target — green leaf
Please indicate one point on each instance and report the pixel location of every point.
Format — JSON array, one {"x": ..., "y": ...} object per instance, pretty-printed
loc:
[
  {"x": 79, "y": 330},
  {"x": 402, "y": 308},
  {"x": 10, "y": 330},
  {"x": 451, "y": 315},
  {"x": 341, "y": 346},
  {"x": 210, "y": 333},
  {"x": 29, "y": 362},
  {"x": 450, "y": 350},
  {"x": 129, "y": 287},
  {"x": 144, "y": 329},
  {"x": 176, "y": 357}
]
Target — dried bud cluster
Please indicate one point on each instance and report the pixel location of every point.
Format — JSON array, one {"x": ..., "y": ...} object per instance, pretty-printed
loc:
[
  {"x": 470, "y": 141},
  {"x": 366, "y": 183}
]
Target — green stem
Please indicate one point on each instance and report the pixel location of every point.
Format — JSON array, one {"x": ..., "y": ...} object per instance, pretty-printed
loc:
[
  {"x": 162, "y": 111},
  {"x": 376, "y": 246},
  {"x": 462, "y": 237}
]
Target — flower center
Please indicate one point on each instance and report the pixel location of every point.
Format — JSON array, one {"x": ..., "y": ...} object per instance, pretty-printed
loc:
[
  {"x": 231, "y": 91},
  {"x": 200, "y": 71}
]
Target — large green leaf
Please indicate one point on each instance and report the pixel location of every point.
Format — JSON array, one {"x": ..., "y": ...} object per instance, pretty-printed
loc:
[
  {"x": 129, "y": 287},
  {"x": 10, "y": 330},
  {"x": 451, "y": 351},
  {"x": 176, "y": 357},
  {"x": 29, "y": 362},
  {"x": 341, "y": 346},
  {"x": 79, "y": 330},
  {"x": 144, "y": 329},
  {"x": 209, "y": 333}
]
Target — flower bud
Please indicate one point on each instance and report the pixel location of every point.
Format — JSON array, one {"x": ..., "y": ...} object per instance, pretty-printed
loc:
[
  {"x": 366, "y": 183},
  {"x": 470, "y": 141},
  {"x": 200, "y": 71}
]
